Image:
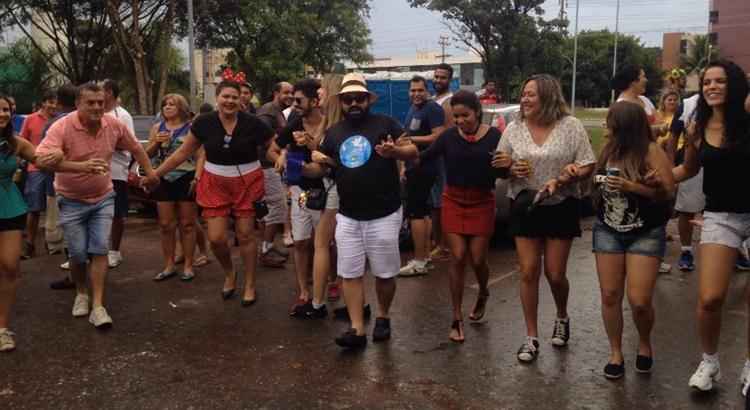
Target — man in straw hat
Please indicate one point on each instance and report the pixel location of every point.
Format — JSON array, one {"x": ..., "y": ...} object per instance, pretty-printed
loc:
[{"x": 365, "y": 148}]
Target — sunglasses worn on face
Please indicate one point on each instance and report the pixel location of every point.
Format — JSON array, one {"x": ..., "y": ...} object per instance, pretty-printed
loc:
[{"x": 348, "y": 99}]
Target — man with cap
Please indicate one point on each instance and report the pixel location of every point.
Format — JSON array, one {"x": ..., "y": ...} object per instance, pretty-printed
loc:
[{"x": 364, "y": 149}]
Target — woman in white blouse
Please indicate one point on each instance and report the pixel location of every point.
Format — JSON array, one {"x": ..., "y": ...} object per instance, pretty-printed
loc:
[{"x": 546, "y": 151}]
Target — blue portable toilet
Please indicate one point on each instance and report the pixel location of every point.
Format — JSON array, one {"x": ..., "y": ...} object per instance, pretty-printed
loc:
[{"x": 393, "y": 96}]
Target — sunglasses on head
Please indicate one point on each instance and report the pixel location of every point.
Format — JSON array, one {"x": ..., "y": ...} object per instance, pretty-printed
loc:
[{"x": 349, "y": 98}]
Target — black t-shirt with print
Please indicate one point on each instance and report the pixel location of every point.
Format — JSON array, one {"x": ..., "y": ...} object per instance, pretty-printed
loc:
[
  {"x": 286, "y": 140},
  {"x": 368, "y": 184},
  {"x": 249, "y": 134}
]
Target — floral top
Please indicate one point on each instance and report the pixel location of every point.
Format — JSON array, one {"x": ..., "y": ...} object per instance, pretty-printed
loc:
[{"x": 567, "y": 143}]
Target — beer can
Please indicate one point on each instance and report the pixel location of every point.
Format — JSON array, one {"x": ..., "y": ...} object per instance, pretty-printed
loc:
[{"x": 613, "y": 172}]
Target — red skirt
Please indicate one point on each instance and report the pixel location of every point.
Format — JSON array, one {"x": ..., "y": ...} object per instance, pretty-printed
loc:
[
  {"x": 221, "y": 196},
  {"x": 468, "y": 211}
]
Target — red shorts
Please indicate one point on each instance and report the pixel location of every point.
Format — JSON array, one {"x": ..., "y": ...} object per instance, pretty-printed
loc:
[
  {"x": 221, "y": 196},
  {"x": 468, "y": 211}
]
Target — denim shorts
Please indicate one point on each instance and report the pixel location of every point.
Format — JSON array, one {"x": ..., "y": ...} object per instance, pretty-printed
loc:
[
  {"x": 38, "y": 188},
  {"x": 725, "y": 228},
  {"x": 646, "y": 242},
  {"x": 86, "y": 226}
]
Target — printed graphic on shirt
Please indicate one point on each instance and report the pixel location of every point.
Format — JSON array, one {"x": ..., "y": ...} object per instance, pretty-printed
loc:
[
  {"x": 355, "y": 151},
  {"x": 620, "y": 212}
]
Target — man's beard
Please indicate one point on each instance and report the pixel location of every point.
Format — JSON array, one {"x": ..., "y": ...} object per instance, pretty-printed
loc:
[
  {"x": 439, "y": 89},
  {"x": 356, "y": 113}
]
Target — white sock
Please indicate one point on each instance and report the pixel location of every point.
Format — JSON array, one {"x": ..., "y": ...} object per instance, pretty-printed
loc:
[
  {"x": 687, "y": 249},
  {"x": 266, "y": 246},
  {"x": 317, "y": 306},
  {"x": 713, "y": 358}
]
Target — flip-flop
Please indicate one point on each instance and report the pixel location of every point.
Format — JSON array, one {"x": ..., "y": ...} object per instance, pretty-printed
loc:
[
  {"x": 187, "y": 276},
  {"x": 201, "y": 261},
  {"x": 457, "y": 325},
  {"x": 479, "y": 308},
  {"x": 164, "y": 275}
]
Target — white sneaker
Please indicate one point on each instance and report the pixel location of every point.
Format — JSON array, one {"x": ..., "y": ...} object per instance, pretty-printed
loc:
[
  {"x": 6, "y": 340},
  {"x": 114, "y": 259},
  {"x": 745, "y": 378},
  {"x": 81, "y": 306},
  {"x": 99, "y": 318},
  {"x": 703, "y": 379},
  {"x": 665, "y": 268},
  {"x": 413, "y": 268},
  {"x": 65, "y": 265}
]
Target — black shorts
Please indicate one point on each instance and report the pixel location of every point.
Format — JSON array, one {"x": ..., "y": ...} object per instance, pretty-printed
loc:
[
  {"x": 17, "y": 223},
  {"x": 121, "y": 198},
  {"x": 560, "y": 221},
  {"x": 175, "y": 191},
  {"x": 419, "y": 182}
]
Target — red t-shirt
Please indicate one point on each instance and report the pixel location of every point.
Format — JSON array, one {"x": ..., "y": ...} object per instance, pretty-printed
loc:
[{"x": 32, "y": 131}]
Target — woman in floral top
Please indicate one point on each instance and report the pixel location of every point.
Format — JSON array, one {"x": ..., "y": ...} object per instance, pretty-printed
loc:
[{"x": 546, "y": 151}]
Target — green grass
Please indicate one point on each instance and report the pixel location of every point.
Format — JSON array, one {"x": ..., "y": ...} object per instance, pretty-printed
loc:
[
  {"x": 591, "y": 113},
  {"x": 597, "y": 138}
]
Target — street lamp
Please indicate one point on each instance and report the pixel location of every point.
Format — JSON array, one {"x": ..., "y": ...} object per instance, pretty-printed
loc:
[{"x": 575, "y": 62}]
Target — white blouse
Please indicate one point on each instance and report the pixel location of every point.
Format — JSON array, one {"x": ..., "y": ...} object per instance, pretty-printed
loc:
[{"x": 567, "y": 143}]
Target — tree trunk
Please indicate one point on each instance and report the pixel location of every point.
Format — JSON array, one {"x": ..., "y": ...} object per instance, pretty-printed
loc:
[{"x": 166, "y": 42}]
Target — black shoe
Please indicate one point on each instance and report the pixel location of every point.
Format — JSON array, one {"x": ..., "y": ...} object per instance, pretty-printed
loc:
[
  {"x": 643, "y": 364},
  {"x": 307, "y": 311},
  {"x": 561, "y": 332},
  {"x": 343, "y": 314},
  {"x": 528, "y": 351},
  {"x": 227, "y": 294},
  {"x": 351, "y": 340},
  {"x": 382, "y": 330},
  {"x": 614, "y": 371},
  {"x": 248, "y": 302},
  {"x": 62, "y": 284}
]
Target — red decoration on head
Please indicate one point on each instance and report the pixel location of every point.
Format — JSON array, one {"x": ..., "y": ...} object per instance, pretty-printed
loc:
[{"x": 238, "y": 77}]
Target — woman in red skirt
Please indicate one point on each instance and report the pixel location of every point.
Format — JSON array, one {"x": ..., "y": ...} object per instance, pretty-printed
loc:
[
  {"x": 468, "y": 213},
  {"x": 232, "y": 180}
]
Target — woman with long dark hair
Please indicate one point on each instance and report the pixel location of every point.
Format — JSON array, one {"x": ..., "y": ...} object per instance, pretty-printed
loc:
[
  {"x": 232, "y": 180},
  {"x": 12, "y": 218},
  {"x": 468, "y": 213},
  {"x": 545, "y": 151},
  {"x": 629, "y": 237},
  {"x": 719, "y": 141}
]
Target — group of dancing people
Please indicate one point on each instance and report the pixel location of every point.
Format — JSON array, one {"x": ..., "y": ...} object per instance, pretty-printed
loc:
[{"x": 345, "y": 166}]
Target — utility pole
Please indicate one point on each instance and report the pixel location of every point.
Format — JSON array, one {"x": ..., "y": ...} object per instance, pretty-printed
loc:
[
  {"x": 617, "y": 34},
  {"x": 575, "y": 62},
  {"x": 443, "y": 43},
  {"x": 562, "y": 12},
  {"x": 191, "y": 52}
]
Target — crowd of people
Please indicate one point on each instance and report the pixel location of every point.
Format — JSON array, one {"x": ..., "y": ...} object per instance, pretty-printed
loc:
[{"x": 343, "y": 166}]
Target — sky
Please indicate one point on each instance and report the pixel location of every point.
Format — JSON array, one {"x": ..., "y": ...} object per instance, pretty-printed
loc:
[{"x": 399, "y": 30}]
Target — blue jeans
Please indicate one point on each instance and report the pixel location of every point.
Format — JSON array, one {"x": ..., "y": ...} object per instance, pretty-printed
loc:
[
  {"x": 646, "y": 242},
  {"x": 86, "y": 226}
]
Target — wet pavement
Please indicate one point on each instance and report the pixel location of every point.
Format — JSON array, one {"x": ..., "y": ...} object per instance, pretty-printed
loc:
[{"x": 178, "y": 345}]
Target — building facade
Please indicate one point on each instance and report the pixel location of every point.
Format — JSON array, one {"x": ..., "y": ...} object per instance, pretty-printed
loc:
[{"x": 729, "y": 22}]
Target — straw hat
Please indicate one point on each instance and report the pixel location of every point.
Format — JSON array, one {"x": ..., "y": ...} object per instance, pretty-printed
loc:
[{"x": 356, "y": 83}]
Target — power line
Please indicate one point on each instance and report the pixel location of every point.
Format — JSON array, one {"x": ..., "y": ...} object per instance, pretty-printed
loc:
[{"x": 443, "y": 43}]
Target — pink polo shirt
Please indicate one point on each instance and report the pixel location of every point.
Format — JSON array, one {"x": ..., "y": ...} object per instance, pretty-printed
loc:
[
  {"x": 32, "y": 131},
  {"x": 69, "y": 136}
]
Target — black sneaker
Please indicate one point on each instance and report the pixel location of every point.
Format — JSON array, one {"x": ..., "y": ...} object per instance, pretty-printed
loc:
[
  {"x": 307, "y": 311},
  {"x": 561, "y": 332},
  {"x": 382, "y": 330},
  {"x": 614, "y": 371},
  {"x": 351, "y": 340},
  {"x": 62, "y": 284},
  {"x": 343, "y": 314},
  {"x": 528, "y": 351},
  {"x": 643, "y": 364}
]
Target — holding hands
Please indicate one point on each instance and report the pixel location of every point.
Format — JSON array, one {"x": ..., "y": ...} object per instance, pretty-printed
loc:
[{"x": 387, "y": 148}]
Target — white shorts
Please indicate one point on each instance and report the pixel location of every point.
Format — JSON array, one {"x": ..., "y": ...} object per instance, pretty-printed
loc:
[
  {"x": 375, "y": 241},
  {"x": 725, "y": 228},
  {"x": 275, "y": 197},
  {"x": 690, "y": 197},
  {"x": 304, "y": 220},
  {"x": 332, "y": 200}
]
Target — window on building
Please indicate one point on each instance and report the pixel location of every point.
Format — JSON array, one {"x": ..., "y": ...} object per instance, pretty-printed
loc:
[
  {"x": 713, "y": 16},
  {"x": 683, "y": 46},
  {"x": 713, "y": 38}
]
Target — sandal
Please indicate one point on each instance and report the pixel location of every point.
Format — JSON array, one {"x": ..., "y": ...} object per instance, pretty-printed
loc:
[
  {"x": 201, "y": 260},
  {"x": 164, "y": 275},
  {"x": 187, "y": 276},
  {"x": 458, "y": 326},
  {"x": 479, "y": 306}
]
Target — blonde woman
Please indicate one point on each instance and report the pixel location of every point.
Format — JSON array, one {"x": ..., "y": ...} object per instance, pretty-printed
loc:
[{"x": 174, "y": 196}]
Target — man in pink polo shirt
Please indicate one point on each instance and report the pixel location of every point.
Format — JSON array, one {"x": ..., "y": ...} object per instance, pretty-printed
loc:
[{"x": 85, "y": 141}]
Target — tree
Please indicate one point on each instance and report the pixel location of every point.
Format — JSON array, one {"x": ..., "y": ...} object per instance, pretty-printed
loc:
[
  {"x": 699, "y": 55},
  {"x": 141, "y": 25},
  {"x": 74, "y": 33},
  {"x": 24, "y": 73},
  {"x": 509, "y": 35},
  {"x": 274, "y": 40}
]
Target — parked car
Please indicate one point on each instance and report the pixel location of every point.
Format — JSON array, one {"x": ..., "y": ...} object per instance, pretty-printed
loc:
[
  {"x": 142, "y": 125},
  {"x": 490, "y": 115}
]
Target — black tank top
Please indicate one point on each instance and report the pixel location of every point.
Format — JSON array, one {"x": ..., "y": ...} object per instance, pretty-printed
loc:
[
  {"x": 724, "y": 178},
  {"x": 628, "y": 212}
]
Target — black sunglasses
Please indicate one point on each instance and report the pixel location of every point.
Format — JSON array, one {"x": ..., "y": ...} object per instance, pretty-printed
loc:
[{"x": 349, "y": 98}]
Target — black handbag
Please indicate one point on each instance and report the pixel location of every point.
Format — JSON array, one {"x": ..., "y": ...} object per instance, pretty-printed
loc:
[{"x": 315, "y": 198}]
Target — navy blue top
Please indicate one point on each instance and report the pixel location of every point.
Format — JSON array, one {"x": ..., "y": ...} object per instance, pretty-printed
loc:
[
  {"x": 467, "y": 164},
  {"x": 420, "y": 120}
]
